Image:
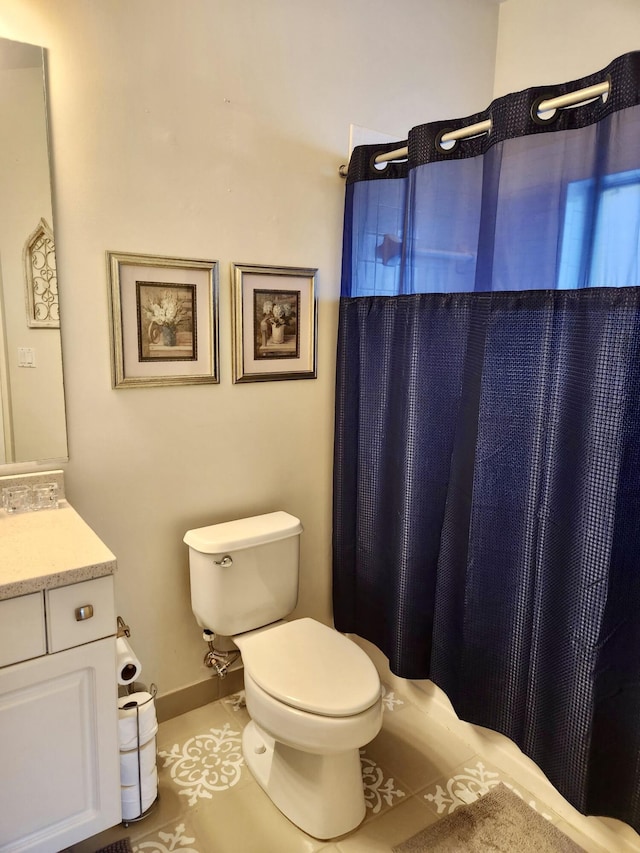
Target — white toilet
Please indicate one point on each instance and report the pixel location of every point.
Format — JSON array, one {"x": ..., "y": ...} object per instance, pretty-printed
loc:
[{"x": 313, "y": 695}]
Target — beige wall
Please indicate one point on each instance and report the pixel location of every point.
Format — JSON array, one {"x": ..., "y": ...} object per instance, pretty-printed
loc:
[
  {"x": 552, "y": 41},
  {"x": 215, "y": 129}
]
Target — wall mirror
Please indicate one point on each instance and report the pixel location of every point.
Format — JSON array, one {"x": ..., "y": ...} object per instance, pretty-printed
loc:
[{"x": 32, "y": 411}]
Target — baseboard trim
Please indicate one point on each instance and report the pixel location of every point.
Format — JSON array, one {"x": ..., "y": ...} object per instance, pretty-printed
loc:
[{"x": 184, "y": 699}]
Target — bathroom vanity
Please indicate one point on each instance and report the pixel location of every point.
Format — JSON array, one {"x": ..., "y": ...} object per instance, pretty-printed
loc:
[{"x": 58, "y": 688}]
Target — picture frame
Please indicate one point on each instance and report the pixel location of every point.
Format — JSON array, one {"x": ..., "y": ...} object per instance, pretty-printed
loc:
[
  {"x": 274, "y": 323},
  {"x": 164, "y": 320}
]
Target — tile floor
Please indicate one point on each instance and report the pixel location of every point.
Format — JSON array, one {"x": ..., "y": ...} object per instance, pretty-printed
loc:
[{"x": 415, "y": 772}]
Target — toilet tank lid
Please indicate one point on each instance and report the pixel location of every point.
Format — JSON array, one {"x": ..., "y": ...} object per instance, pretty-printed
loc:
[{"x": 243, "y": 533}]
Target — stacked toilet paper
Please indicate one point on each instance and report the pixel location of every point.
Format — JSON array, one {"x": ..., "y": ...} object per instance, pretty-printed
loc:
[{"x": 137, "y": 727}]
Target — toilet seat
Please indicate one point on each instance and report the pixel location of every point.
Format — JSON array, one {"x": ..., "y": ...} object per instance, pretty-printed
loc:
[
  {"x": 318, "y": 734},
  {"x": 311, "y": 667}
]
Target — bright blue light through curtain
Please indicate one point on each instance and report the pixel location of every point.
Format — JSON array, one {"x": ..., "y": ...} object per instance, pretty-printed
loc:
[{"x": 487, "y": 453}]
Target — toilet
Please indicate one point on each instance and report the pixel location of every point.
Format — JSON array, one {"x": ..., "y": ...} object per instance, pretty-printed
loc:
[{"x": 313, "y": 695}]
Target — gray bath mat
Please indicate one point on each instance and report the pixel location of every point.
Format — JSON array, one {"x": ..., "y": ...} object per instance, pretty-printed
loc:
[{"x": 499, "y": 822}]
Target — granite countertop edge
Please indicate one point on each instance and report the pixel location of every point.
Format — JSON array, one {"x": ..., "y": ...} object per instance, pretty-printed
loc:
[{"x": 13, "y": 589}]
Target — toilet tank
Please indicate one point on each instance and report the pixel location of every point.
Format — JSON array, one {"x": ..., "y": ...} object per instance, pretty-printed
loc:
[{"x": 244, "y": 573}]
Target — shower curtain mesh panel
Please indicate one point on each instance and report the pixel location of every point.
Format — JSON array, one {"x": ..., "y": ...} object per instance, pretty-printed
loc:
[{"x": 487, "y": 454}]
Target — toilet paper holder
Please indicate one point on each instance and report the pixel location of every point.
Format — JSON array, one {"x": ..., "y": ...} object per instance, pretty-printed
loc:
[
  {"x": 123, "y": 629},
  {"x": 143, "y": 812}
]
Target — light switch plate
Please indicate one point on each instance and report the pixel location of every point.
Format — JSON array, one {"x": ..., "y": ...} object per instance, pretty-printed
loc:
[{"x": 26, "y": 357}]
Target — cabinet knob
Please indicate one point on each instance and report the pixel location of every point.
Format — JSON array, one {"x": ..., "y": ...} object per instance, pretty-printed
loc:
[{"x": 84, "y": 612}]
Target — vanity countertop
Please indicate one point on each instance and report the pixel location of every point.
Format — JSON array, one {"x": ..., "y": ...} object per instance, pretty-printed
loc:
[{"x": 49, "y": 548}]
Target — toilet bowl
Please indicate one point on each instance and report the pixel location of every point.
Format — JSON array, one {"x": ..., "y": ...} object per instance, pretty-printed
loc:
[{"x": 314, "y": 699}]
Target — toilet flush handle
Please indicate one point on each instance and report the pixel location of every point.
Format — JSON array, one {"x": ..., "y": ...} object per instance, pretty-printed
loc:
[{"x": 224, "y": 562}]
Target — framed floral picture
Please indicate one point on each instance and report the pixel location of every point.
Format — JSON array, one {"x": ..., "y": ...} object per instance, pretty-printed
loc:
[
  {"x": 274, "y": 323},
  {"x": 164, "y": 320}
]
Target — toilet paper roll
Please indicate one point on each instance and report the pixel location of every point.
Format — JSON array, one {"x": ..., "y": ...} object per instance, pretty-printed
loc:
[
  {"x": 128, "y": 665},
  {"x": 137, "y": 722},
  {"x": 137, "y": 799},
  {"x": 146, "y": 756}
]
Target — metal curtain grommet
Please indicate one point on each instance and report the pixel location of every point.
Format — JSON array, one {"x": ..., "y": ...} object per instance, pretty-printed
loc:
[
  {"x": 445, "y": 147},
  {"x": 535, "y": 107},
  {"x": 378, "y": 168}
]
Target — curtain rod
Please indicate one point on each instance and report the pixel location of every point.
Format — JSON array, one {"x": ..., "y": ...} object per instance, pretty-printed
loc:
[{"x": 558, "y": 103}]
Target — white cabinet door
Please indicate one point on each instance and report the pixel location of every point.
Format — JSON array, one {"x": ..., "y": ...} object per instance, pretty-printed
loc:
[{"x": 59, "y": 749}]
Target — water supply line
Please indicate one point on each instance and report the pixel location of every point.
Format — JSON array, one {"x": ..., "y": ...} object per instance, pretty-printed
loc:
[{"x": 216, "y": 659}]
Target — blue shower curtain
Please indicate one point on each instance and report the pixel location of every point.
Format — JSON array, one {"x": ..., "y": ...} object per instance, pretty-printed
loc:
[{"x": 487, "y": 453}]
